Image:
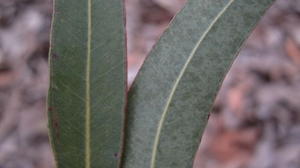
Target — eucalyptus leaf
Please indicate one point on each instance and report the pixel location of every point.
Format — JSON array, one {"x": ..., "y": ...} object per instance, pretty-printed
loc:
[
  {"x": 87, "y": 83},
  {"x": 171, "y": 98}
]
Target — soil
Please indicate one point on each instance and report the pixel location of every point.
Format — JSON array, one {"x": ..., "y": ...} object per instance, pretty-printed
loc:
[{"x": 256, "y": 118}]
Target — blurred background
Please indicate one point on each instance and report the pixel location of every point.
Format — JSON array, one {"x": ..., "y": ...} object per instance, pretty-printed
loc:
[{"x": 255, "y": 122}]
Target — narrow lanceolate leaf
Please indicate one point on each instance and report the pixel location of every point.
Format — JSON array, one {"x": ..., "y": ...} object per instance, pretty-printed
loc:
[
  {"x": 88, "y": 83},
  {"x": 175, "y": 89}
]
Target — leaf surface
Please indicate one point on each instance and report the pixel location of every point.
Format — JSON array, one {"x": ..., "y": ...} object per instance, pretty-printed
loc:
[
  {"x": 87, "y": 83},
  {"x": 171, "y": 98}
]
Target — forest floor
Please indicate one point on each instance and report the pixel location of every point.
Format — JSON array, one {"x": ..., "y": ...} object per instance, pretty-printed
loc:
[{"x": 255, "y": 122}]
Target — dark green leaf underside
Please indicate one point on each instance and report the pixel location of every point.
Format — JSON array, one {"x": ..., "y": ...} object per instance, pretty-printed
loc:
[{"x": 87, "y": 83}]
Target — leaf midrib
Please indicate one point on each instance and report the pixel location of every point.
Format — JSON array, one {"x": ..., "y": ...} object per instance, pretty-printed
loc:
[
  {"x": 164, "y": 114},
  {"x": 87, "y": 91}
]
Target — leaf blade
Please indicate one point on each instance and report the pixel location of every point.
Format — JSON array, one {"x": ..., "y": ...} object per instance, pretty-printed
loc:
[
  {"x": 156, "y": 141},
  {"x": 163, "y": 141},
  {"x": 86, "y": 95}
]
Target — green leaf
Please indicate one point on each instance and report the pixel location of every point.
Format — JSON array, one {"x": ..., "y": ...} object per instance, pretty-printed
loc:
[
  {"x": 175, "y": 89},
  {"x": 87, "y": 83}
]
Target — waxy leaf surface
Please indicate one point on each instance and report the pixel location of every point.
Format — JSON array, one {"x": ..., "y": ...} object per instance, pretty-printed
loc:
[{"x": 87, "y": 83}]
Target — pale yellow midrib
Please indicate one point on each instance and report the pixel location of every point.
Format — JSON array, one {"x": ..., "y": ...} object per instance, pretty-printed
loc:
[
  {"x": 88, "y": 91},
  {"x": 160, "y": 124}
]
